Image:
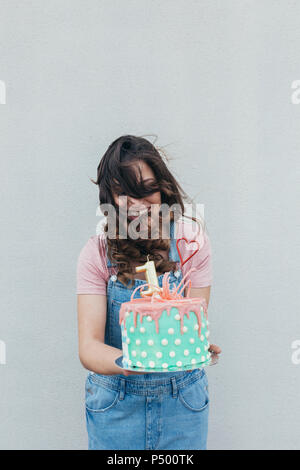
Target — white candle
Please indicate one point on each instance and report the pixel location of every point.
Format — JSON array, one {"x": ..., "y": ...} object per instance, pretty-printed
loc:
[{"x": 151, "y": 276}]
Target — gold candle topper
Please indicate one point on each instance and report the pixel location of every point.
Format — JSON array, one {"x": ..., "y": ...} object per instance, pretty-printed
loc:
[{"x": 151, "y": 276}]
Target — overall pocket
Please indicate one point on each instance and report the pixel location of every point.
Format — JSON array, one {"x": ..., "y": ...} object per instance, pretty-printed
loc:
[
  {"x": 99, "y": 398},
  {"x": 195, "y": 396}
]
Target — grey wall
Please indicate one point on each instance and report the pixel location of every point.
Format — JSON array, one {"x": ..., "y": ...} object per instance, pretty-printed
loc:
[{"x": 213, "y": 80}]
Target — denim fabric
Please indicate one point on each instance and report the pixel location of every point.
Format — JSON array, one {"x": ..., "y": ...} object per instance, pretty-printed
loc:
[{"x": 160, "y": 410}]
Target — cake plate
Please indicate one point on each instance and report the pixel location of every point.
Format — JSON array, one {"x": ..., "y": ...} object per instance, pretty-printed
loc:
[{"x": 210, "y": 362}]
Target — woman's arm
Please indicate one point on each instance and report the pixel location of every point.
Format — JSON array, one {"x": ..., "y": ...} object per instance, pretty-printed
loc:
[
  {"x": 200, "y": 292},
  {"x": 94, "y": 355}
]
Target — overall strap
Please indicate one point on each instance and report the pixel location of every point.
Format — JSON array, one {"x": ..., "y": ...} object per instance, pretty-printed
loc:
[
  {"x": 109, "y": 264},
  {"x": 173, "y": 254}
]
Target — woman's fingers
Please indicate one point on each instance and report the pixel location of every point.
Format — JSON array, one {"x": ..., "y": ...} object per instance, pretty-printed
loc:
[{"x": 215, "y": 349}]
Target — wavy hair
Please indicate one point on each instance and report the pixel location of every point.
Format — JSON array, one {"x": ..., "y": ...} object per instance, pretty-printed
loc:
[{"x": 117, "y": 174}]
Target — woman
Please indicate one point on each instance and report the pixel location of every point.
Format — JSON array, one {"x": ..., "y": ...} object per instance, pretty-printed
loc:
[{"x": 124, "y": 409}]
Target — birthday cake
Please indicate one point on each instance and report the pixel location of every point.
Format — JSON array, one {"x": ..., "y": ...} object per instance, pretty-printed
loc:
[{"x": 164, "y": 331}]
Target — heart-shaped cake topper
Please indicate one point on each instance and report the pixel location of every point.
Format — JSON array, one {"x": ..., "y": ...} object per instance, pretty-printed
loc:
[{"x": 188, "y": 242}]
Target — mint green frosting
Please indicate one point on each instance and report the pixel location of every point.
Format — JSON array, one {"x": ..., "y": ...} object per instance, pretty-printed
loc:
[{"x": 168, "y": 350}]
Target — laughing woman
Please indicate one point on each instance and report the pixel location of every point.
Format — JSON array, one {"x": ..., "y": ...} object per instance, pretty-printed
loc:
[{"x": 128, "y": 410}]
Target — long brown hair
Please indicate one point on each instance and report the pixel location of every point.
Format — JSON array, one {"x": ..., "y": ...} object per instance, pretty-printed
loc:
[{"x": 117, "y": 173}]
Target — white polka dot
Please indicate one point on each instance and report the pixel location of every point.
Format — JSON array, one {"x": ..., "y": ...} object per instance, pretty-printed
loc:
[
  {"x": 152, "y": 364},
  {"x": 207, "y": 334},
  {"x": 129, "y": 362},
  {"x": 186, "y": 352},
  {"x": 207, "y": 322},
  {"x": 150, "y": 342},
  {"x": 208, "y": 356},
  {"x": 192, "y": 340},
  {"x": 165, "y": 365},
  {"x": 185, "y": 328},
  {"x": 202, "y": 338},
  {"x": 159, "y": 354},
  {"x": 177, "y": 316},
  {"x": 177, "y": 341},
  {"x": 149, "y": 318},
  {"x": 172, "y": 353},
  {"x": 171, "y": 331},
  {"x": 139, "y": 364},
  {"x": 144, "y": 354},
  {"x": 202, "y": 358},
  {"x": 164, "y": 342},
  {"x": 198, "y": 350},
  {"x": 138, "y": 342},
  {"x": 127, "y": 314},
  {"x": 133, "y": 353},
  {"x": 142, "y": 329},
  {"x": 178, "y": 363},
  {"x": 131, "y": 329},
  {"x": 193, "y": 361},
  {"x": 196, "y": 326},
  {"x": 127, "y": 340}
]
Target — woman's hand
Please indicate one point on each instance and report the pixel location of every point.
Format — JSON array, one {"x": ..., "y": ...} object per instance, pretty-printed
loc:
[{"x": 215, "y": 349}]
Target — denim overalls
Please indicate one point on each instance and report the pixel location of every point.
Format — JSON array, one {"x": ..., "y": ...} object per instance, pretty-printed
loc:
[{"x": 159, "y": 410}]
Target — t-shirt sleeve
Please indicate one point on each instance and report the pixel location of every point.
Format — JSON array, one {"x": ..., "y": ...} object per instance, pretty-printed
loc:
[
  {"x": 201, "y": 261},
  {"x": 91, "y": 273}
]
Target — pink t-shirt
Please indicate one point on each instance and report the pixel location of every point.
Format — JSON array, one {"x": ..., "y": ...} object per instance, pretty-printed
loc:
[{"x": 93, "y": 274}]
